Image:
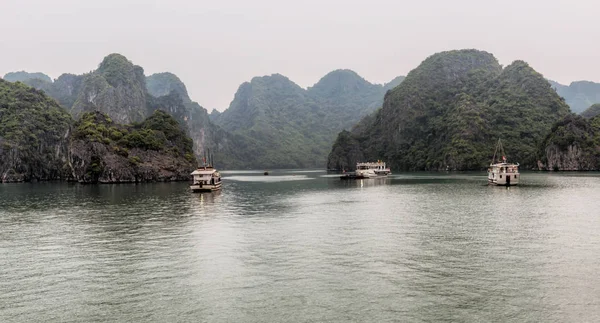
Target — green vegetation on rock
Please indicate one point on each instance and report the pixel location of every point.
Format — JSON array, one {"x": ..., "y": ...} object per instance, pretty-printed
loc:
[
  {"x": 289, "y": 127},
  {"x": 33, "y": 134},
  {"x": 344, "y": 98},
  {"x": 40, "y": 141},
  {"x": 154, "y": 149},
  {"x": 159, "y": 132},
  {"x": 346, "y": 153},
  {"x": 393, "y": 83},
  {"x": 573, "y": 144},
  {"x": 168, "y": 93},
  {"x": 65, "y": 89},
  {"x": 591, "y": 112},
  {"x": 280, "y": 121}
]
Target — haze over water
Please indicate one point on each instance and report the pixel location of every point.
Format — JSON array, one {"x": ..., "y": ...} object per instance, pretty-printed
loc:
[{"x": 303, "y": 246}]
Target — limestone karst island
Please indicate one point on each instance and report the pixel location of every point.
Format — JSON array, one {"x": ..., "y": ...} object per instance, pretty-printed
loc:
[{"x": 115, "y": 124}]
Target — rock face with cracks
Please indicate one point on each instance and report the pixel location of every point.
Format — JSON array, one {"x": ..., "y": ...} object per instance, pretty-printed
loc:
[
  {"x": 573, "y": 144},
  {"x": 34, "y": 135},
  {"x": 155, "y": 150}
]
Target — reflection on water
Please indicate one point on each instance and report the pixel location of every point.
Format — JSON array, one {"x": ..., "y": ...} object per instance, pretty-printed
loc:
[
  {"x": 205, "y": 199},
  {"x": 268, "y": 178},
  {"x": 302, "y": 247},
  {"x": 368, "y": 182}
]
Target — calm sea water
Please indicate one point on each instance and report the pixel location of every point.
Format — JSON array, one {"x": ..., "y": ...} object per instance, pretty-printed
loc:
[{"x": 303, "y": 246}]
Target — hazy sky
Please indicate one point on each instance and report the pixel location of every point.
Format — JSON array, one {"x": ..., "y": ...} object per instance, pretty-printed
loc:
[{"x": 214, "y": 46}]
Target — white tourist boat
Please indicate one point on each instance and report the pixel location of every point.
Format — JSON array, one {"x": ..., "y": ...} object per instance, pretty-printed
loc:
[
  {"x": 368, "y": 170},
  {"x": 500, "y": 171},
  {"x": 206, "y": 179}
]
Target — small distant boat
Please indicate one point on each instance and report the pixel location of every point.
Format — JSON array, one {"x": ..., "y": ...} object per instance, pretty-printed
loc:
[
  {"x": 266, "y": 173},
  {"x": 206, "y": 179},
  {"x": 500, "y": 171},
  {"x": 368, "y": 170}
]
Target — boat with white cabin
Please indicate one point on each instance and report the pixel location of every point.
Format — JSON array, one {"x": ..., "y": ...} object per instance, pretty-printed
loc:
[
  {"x": 368, "y": 170},
  {"x": 501, "y": 172},
  {"x": 206, "y": 179}
]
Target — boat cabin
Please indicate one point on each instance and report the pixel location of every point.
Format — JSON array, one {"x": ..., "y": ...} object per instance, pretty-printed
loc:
[
  {"x": 370, "y": 165},
  {"x": 376, "y": 166},
  {"x": 205, "y": 178},
  {"x": 371, "y": 169},
  {"x": 503, "y": 174}
]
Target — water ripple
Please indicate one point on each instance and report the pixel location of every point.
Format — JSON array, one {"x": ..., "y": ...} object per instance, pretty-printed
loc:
[{"x": 299, "y": 246}]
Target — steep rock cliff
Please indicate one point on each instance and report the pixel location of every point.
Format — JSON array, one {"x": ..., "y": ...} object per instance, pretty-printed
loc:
[
  {"x": 169, "y": 93},
  {"x": 33, "y": 134},
  {"x": 573, "y": 144},
  {"x": 156, "y": 149},
  {"x": 117, "y": 88}
]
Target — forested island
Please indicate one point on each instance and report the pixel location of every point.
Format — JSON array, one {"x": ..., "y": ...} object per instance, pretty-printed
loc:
[
  {"x": 115, "y": 124},
  {"x": 450, "y": 110},
  {"x": 39, "y": 140}
]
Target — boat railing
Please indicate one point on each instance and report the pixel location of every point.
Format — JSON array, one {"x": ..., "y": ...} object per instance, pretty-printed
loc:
[{"x": 504, "y": 169}]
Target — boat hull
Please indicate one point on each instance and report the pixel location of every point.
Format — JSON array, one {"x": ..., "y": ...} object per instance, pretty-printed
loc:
[
  {"x": 502, "y": 184},
  {"x": 512, "y": 181},
  {"x": 205, "y": 188},
  {"x": 347, "y": 177},
  {"x": 356, "y": 176}
]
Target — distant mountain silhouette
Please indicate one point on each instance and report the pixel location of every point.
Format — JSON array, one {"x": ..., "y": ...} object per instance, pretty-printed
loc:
[
  {"x": 579, "y": 95},
  {"x": 23, "y": 76}
]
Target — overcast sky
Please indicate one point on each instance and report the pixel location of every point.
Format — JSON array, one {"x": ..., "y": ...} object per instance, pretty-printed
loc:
[{"x": 214, "y": 46}]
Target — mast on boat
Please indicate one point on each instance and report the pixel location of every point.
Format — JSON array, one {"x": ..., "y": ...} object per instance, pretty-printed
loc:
[
  {"x": 500, "y": 148},
  {"x": 500, "y": 172}
]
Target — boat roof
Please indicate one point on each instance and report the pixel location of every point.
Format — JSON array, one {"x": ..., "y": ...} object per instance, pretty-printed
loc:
[
  {"x": 204, "y": 171},
  {"x": 505, "y": 164},
  {"x": 377, "y": 163}
]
